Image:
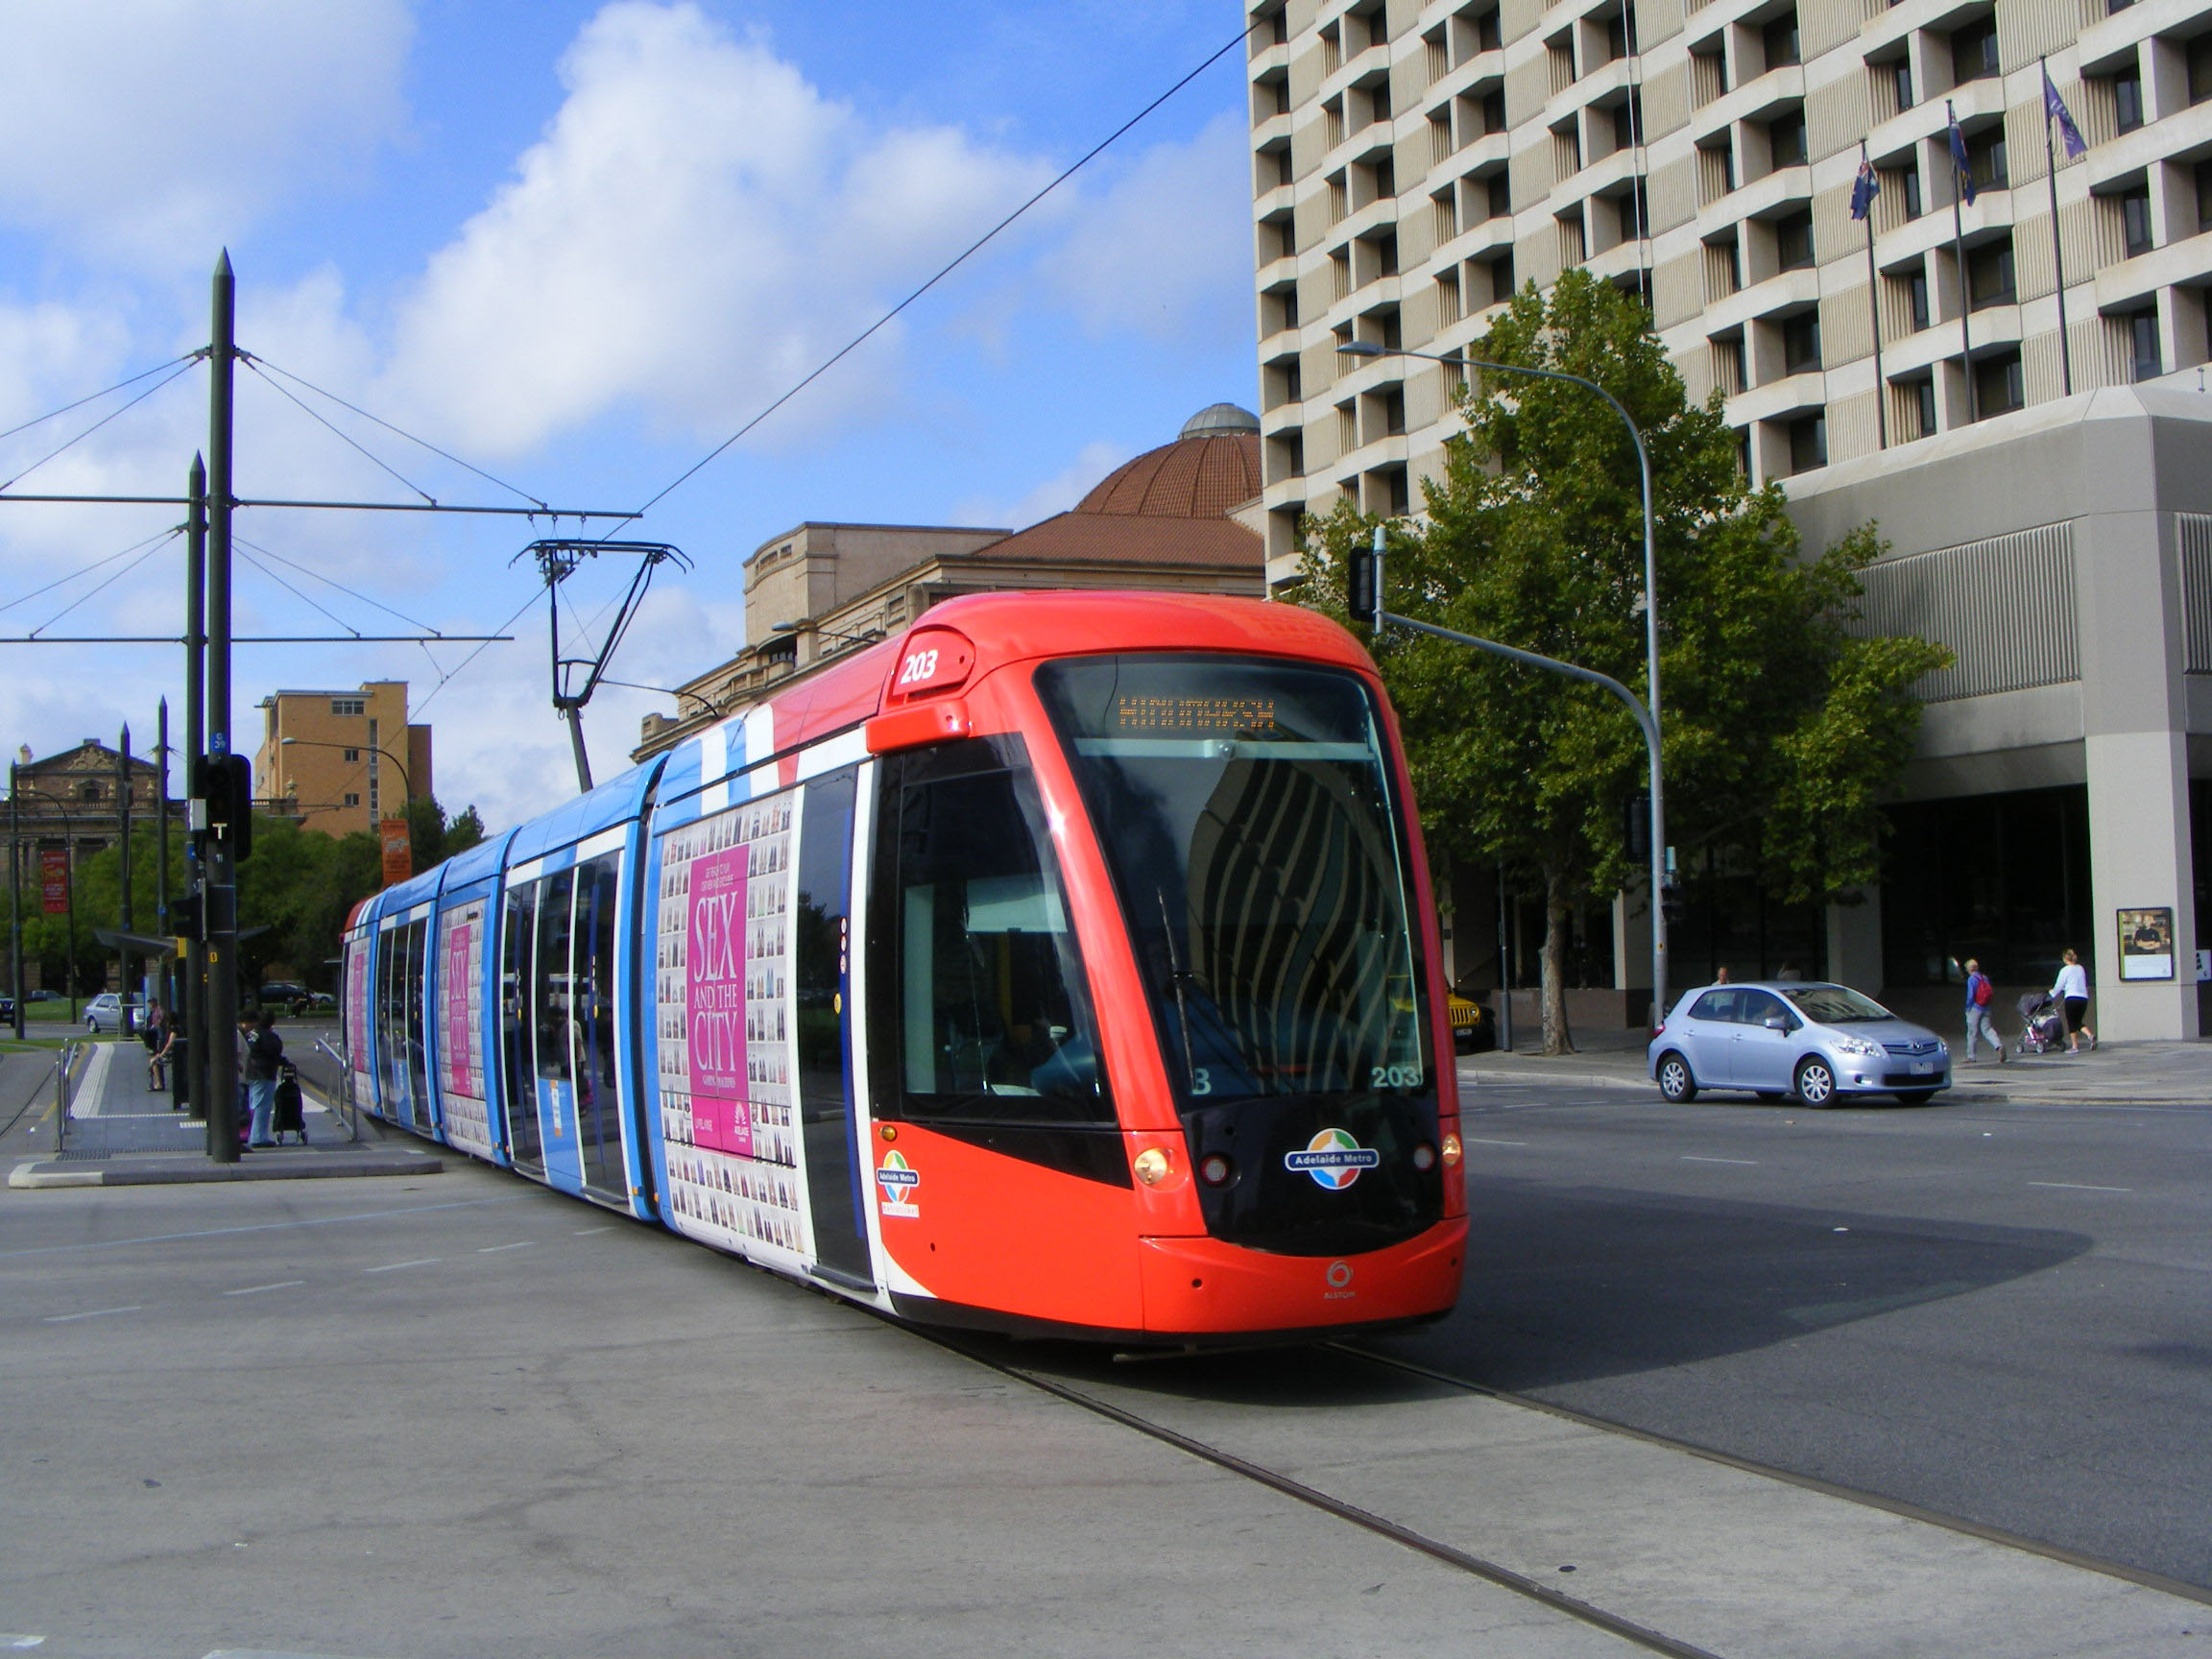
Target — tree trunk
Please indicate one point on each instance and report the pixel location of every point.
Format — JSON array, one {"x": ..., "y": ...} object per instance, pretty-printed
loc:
[{"x": 1558, "y": 918}]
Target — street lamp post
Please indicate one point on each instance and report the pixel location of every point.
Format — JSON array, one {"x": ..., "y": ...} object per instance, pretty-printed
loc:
[
  {"x": 1651, "y": 728},
  {"x": 405, "y": 783}
]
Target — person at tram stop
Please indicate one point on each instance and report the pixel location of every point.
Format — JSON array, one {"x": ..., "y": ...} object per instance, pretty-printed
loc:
[
  {"x": 156, "y": 1034},
  {"x": 263, "y": 1049},
  {"x": 2072, "y": 990},
  {"x": 1720, "y": 974},
  {"x": 1978, "y": 1023}
]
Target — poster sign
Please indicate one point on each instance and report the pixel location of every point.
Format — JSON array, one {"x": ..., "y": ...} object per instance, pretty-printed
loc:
[
  {"x": 461, "y": 949},
  {"x": 399, "y": 851},
  {"x": 2147, "y": 944},
  {"x": 723, "y": 1029},
  {"x": 54, "y": 879}
]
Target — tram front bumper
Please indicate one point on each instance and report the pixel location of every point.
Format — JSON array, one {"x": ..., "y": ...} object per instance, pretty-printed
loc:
[{"x": 1198, "y": 1287}]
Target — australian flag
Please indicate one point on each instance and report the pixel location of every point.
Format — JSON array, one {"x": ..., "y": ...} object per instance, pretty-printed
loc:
[
  {"x": 2054, "y": 109},
  {"x": 1958, "y": 157},
  {"x": 1863, "y": 192}
]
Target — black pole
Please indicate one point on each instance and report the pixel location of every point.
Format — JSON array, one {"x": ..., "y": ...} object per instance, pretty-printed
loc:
[
  {"x": 167, "y": 974},
  {"x": 222, "y": 900},
  {"x": 196, "y": 1089},
  {"x": 16, "y": 894},
  {"x": 123, "y": 811}
]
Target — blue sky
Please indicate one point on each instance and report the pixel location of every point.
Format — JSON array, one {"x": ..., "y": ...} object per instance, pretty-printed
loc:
[{"x": 578, "y": 245}]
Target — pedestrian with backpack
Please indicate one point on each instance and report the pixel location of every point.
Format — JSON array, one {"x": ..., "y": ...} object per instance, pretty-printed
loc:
[{"x": 1979, "y": 995}]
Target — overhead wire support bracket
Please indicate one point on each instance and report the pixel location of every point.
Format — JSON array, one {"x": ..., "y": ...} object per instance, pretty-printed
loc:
[{"x": 557, "y": 560}]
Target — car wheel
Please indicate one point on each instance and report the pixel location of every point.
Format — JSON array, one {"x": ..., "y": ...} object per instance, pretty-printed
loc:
[
  {"x": 91, "y": 1026},
  {"x": 1676, "y": 1081},
  {"x": 1815, "y": 1082},
  {"x": 1916, "y": 1096},
  {"x": 1771, "y": 1096}
]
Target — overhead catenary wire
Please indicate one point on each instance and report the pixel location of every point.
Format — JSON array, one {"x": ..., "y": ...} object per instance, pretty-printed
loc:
[
  {"x": 345, "y": 438},
  {"x": 331, "y": 582},
  {"x": 321, "y": 610},
  {"x": 95, "y": 396},
  {"x": 86, "y": 570},
  {"x": 263, "y": 365},
  {"x": 959, "y": 259},
  {"x": 159, "y": 541},
  {"x": 178, "y": 370}
]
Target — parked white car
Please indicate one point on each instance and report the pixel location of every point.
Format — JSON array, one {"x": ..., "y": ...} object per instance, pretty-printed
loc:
[{"x": 105, "y": 1013}]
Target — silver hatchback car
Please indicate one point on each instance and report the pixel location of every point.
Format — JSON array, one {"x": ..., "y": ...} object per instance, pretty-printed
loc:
[{"x": 1782, "y": 1036}]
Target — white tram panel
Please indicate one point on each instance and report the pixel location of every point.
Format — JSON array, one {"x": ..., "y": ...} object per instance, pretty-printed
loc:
[{"x": 724, "y": 1027}]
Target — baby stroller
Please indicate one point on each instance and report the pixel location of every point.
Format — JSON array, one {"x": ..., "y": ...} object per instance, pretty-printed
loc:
[{"x": 2044, "y": 1027}]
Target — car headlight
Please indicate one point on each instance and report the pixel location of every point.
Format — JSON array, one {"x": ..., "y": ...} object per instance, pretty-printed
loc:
[{"x": 1865, "y": 1048}]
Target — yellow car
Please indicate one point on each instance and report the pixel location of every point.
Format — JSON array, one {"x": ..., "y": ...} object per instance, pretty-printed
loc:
[{"x": 1473, "y": 1026}]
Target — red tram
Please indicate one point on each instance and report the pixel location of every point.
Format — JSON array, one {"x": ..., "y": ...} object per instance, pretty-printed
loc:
[{"x": 1066, "y": 966}]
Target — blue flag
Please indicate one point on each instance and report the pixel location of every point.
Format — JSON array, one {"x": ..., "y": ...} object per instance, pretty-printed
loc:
[
  {"x": 1965, "y": 168},
  {"x": 1863, "y": 192},
  {"x": 2054, "y": 109}
]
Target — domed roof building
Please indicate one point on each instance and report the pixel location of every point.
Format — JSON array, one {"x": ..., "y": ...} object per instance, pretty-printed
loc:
[{"x": 1182, "y": 519}]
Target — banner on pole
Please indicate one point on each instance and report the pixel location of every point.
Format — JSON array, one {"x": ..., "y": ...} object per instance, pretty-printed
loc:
[
  {"x": 54, "y": 879},
  {"x": 399, "y": 851}
]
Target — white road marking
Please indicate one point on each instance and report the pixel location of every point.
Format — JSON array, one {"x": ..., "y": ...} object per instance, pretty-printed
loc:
[
  {"x": 95, "y": 1314},
  {"x": 493, "y": 1249},
  {"x": 21, "y": 1643},
  {"x": 256, "y": 1289},
  {"x": 1692, "y": 1157},
  {"x": 263, "y": 1227},
  {"x": 586, "y": 1231},
  {"x": 394, "y": 1267},
  {"x": 1478, "y": 1140},
  {"x": 2079, "y": 1187}
]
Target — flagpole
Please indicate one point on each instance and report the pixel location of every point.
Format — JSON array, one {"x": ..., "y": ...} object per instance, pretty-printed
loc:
[
  {"x": 1958, "y": 253},
  {"x": 2058, "y": 250},
  {"x": 1874, "y": 312}
]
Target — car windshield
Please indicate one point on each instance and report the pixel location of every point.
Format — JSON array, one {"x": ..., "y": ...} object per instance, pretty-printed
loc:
[
  {"x": 1245, "y": 809},
  {"x": 1836, "y": 1005}
]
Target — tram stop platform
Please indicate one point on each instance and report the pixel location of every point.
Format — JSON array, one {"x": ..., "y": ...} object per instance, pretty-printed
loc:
[{"x": 120, "y": 1133}]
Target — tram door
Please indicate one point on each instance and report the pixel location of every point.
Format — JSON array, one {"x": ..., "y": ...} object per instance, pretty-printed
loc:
[
  {"x": 822, "y": 975},
  {"x": 517, "y": 1060}
]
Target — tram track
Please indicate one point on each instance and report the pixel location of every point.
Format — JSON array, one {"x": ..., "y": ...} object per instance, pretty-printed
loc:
[
  {"x": 1911, "y": 1511},
  {"x": 1289, "y": 1487}
]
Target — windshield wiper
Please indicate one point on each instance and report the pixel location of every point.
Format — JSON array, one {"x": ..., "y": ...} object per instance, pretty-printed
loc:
[{"x": 1177, "y": 978}]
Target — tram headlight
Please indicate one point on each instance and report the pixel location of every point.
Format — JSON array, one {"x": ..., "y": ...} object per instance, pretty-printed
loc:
[
  {"x": 1452, "y": 1151},
  {"x": 1215, "y": 1169},
  {"x": 1151, "y": 1166}
]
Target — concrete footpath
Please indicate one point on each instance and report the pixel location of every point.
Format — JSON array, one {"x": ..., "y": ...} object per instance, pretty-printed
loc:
[
  {"x": 2116, "y": 1075},
  {"x": 121, "y": 1133}
]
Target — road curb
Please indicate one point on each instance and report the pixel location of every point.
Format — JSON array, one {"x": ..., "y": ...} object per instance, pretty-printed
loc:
[{"x": 127, "y": 1171}]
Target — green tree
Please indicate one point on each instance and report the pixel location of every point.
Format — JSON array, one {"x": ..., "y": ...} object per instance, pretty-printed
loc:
[{"x": 1781, "y": 728}]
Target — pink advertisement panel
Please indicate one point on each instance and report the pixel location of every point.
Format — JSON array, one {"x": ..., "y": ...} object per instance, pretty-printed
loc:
[
  {"x": 457, "y": 975},
  {"x": 461, "y": 941},
  {"x": 722, "y": 1027}
]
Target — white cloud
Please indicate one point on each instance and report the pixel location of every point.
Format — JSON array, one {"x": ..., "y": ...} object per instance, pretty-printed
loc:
[
  {"x": 698, "y": 227},
  {"x": 148, "y": 130},
  {"x": 1165, "y": 250},
  {"x": 1055, "y": 495}
]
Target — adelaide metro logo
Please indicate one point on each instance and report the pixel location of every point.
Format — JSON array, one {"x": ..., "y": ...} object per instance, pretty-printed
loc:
[
  {"x": 1333, "y": 1159},
  {"x": 898, "y": 1180}
]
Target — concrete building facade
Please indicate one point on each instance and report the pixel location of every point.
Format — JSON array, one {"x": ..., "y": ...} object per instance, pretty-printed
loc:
[
  {"x": 2043, "y": 486},
  {"x": 339, "y": 761}
]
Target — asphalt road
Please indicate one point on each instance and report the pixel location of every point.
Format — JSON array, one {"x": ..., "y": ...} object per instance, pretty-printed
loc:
[{"x": 2002, "y": 1314}]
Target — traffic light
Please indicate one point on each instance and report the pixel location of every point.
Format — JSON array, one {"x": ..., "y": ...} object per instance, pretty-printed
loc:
[
  {"x": 1364, "y": 580},
  {"x": 1670, "y": 904},
  {"x": 226, "y": 783},
  {"x": 183, "y": 916}
]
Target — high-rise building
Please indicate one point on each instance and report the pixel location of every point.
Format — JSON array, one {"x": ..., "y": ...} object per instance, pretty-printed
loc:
[
  {"x": 339, "y": 761},
  {"x": 2047, "y": 489}
]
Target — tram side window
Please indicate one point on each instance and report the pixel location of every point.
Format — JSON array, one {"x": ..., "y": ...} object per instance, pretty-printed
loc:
[
  {"x": 989, "y": 1016},
  {"x": 390, "y": 1016},
  {"x": 517, "y": 925},
  {"x": 551, "y": 985},
  {"x": 418, "y": 935}
]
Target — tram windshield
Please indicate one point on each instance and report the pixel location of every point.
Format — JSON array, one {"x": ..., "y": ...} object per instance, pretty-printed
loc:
[{"x": 1247, "y": 813}]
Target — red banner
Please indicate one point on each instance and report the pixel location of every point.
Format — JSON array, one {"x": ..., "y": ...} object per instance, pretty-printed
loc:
[
  {"x": 53, "y": 877},
  {"x": 399, "y": 851}
]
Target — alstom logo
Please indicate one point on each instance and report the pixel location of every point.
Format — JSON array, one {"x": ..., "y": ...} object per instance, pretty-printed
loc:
[{"x": 1333, "y": 1159}]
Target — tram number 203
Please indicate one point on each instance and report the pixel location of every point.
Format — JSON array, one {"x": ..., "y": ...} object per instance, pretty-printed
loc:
[
  {"x": 1394, "y": 1077},
  {"x": 920, "y": 666}
]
